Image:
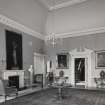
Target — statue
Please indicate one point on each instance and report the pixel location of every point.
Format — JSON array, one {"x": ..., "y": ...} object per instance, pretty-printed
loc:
[{"x": 31, "y": 74}]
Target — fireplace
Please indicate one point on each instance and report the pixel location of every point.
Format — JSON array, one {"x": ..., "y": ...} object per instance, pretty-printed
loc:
[
  {"x": 14, "y": 81},
  {"x": 17, "y": 76}
]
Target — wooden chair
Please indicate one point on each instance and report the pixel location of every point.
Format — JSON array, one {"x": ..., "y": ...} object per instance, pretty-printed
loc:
[
  {"x": 6, "y": 90},
  {"x": 50, "y": 78}
]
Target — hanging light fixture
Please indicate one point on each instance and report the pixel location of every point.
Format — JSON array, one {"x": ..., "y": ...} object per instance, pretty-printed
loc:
[{"x": 52, "y": 38}]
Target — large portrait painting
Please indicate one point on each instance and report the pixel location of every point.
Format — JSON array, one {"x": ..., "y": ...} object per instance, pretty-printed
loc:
[
  {"x": 100, "y": 59},
  {"x": 13, "y": 51},
  {"x": 62, "y": 61}
]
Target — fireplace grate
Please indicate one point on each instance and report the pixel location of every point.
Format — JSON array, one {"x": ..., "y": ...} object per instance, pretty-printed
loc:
[{"x": 14, "y": 81}]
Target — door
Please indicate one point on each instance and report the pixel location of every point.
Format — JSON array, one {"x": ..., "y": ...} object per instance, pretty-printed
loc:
[{"x": 79, "y": 70}]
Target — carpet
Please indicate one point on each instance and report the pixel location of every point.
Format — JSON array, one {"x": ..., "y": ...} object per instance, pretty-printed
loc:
[{"x": 73, "y": 97}]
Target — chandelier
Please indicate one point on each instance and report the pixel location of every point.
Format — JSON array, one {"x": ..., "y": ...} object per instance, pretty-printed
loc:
[{"x": 52, "y": 38}]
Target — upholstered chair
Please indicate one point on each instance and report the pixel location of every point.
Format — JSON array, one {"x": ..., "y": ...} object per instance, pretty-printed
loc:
[{"x": 61, "y": 79}]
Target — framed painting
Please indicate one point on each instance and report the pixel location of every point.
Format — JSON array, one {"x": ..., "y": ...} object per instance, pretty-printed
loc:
[
  {"x": 63, "y": 61},
  {"x": 100, "y": 59},
  {"x": 14, "y": 59}
]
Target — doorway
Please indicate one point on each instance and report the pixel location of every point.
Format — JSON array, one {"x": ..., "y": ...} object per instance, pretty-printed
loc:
[
  {"x": 85, "y": 56},
  {"x": 79, "y": 70}
]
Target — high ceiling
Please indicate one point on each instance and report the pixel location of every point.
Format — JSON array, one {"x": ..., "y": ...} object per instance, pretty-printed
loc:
[{"x": 55, "y": 4}]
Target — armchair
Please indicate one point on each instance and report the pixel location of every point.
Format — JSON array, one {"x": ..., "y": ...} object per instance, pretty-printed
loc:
[
  {"x": 100, "y": 82},
  {"x": 5, "y": 90},
  {"x": 38, "y": 80},
  {"x": 61, "y": 79}
]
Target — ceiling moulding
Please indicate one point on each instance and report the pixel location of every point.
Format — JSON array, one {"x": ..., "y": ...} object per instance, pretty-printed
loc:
[
  {"x": 9, "y": 22},
  {"x": 66, "y": 4},
  {"x": 81, "y": 33}
]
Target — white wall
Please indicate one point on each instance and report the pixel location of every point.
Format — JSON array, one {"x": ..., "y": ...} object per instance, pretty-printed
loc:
[
  {"x": 27, "y": 12},
  {"x": 30, "y": 44},
  {"x": 95, "y": 42},
  {"x": 86, "y": 15}
]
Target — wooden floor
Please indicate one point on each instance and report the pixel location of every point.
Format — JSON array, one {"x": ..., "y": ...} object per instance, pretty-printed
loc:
[
  {"x": 21, "y": 93},
  {"x": 31, "y": 90},
  {"x": 73, "y": 96}
]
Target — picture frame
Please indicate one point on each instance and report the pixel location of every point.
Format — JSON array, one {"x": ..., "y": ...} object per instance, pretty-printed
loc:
[
  {"x": 14, "y": 55},
  {"x": 100, "y": 59},
  {"x": 63, "y": 61}
]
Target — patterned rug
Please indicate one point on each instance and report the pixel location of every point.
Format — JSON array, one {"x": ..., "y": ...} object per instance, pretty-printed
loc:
[{"x": 49, "y": 97}]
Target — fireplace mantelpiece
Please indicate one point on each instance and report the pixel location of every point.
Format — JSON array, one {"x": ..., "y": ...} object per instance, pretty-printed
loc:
[{"x": 7, "y": 73}]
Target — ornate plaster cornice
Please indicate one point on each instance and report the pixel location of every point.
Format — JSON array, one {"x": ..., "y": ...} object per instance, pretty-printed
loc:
[
  {"x": 82, "y": 32},
  {"x": 9, "y": 22}
]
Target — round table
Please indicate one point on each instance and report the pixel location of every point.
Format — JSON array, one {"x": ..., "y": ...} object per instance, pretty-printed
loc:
[{"x": 60, "y": 87}]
